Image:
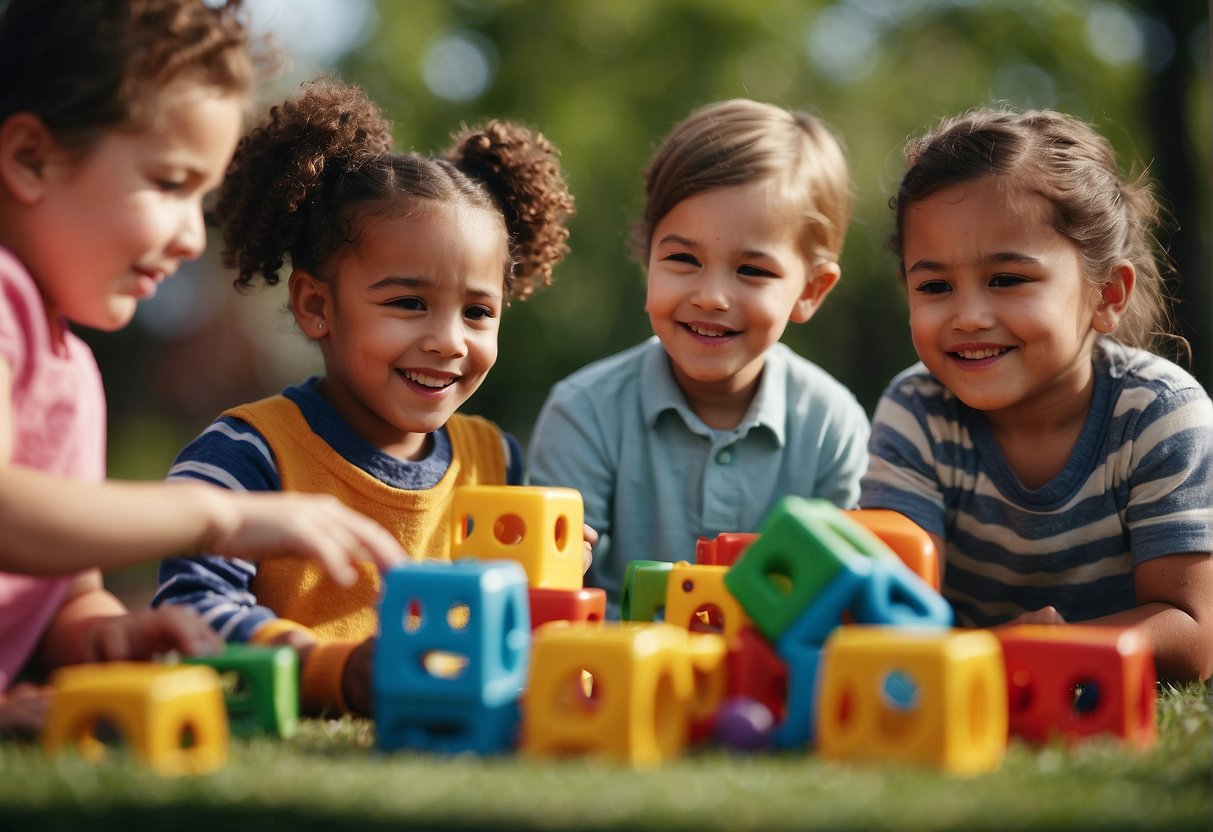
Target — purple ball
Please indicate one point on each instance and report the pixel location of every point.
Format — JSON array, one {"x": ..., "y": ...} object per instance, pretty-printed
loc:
[{"x": 744, "y": 724}]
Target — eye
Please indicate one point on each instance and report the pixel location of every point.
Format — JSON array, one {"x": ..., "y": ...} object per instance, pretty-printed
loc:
[
  {"x": 170, "y": 185},
  {"x": 932, "y": 287},
  {"x": 1006, "y": 280},
  {"x": 682, "y": 257},
  {"x": 408, "y": 304},
  {"x": 754, "y": 271},
  {"x": 479, "y": 313}
]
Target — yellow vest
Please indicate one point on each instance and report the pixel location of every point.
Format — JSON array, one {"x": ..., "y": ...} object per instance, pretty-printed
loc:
[{"x": 297, "y": 589}]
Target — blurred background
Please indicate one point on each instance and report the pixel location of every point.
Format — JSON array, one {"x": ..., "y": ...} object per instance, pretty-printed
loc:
[{"x": 605, "y": 81}]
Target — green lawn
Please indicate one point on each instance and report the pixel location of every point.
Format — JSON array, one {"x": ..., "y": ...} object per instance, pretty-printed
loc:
[{"x": 330, "y": 777}]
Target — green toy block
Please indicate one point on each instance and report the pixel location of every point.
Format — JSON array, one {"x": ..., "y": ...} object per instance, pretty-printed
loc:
[
  {"x": 802, "y": 544},
  {"x": 644, "y": 589},
  {"x": 260, "y": 687}
]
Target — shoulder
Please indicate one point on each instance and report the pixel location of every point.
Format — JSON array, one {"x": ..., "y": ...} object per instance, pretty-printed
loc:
[
  {"x": 1145, "y": 383},
  {"x": 230, "y": 453},
  {"x": 606, "y": 375},
  {"x": 803, "y": 379}
]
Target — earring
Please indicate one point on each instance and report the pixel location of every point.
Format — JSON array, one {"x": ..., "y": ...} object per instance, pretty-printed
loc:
[{"x": 320, "y": 325}]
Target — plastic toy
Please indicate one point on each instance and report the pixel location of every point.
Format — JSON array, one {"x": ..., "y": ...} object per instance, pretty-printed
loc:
[
  {"x": 541, "y": 528},
  {"x": 260, "y": 688},
  {"x": 797, "y": 728},
  {"x": 927, "y": 696},
  {"x": 698, "y": 600},
  {"x": 171, "y": 717},
  {"x": 452, "y": 656},
  {"x": 744, "y": 724},
  {"x": 757, "y": 672},
  {"x": 1075, "y": 681},
  {"x": 645, "y": 584},
  {"x": 905, "y": 537},
  {"x": 549, "y": 604},
  {"x": 724, "y": 549}
]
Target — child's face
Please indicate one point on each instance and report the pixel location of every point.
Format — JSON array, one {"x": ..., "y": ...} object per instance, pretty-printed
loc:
[
  {"x": 411, "y": 321},
  {"x": 726, "y": 273},
  {"x": 117, "y": 221},
  {"x": 1000, "y": 310}
]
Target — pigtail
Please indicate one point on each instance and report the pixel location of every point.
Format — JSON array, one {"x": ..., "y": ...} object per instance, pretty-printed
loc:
[
  {"x": 520, "y": 169},
  {"x": 272, "y": 203}
]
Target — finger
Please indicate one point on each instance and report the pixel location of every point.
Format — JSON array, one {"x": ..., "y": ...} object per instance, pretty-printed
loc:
[
  {"x": 181, "y": 628},
  {"x": 587, "y": 558},
  {"x": 113, "y": 641},
  {"x": 589, "y": 533},
  {"x": 377, "y": 544}
]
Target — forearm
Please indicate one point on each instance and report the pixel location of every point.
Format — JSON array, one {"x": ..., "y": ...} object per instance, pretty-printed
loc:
[
  {"x": 1183, "y": 645},
  {"x": 66, "y": 638}
]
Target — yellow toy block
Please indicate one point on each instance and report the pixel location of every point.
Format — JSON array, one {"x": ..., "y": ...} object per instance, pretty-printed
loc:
[
  {"x": 709, "y": 674},
  {"x": 639, "y": 704},
  {"x": 171, "y": 717},
  {"x": 541, "y": 528},
  {"x": 913, "y": 696},
  {"x": 698, "y": 600}
]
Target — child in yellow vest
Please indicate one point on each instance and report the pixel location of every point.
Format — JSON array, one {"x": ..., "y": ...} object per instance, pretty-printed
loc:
[{"x": 400, "y": 268}]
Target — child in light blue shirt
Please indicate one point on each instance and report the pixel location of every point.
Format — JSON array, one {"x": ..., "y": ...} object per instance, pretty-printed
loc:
[{"x": 700, "y": 429}]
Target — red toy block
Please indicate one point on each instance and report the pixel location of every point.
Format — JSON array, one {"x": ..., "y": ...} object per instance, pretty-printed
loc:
[
  {"x": 757, "y": 671},
  {"x": 1073, "y": 681},
  {"x": 723, "y": 549},
  {"x": 553, "y": 604}
]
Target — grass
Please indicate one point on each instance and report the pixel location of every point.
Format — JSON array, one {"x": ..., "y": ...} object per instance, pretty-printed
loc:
[{"x": 331, "y": 777}]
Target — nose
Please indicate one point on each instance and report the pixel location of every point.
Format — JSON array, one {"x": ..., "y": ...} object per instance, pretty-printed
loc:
[
  {"x": 971, "y": 311},
  {"x": 189, "y": 241},
  {"x": 444, "y": 336},
  {"x": 711, "y": 292}
]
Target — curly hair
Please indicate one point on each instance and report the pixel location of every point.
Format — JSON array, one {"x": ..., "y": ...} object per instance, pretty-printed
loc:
[
  {"x": 302, "y": 181},
  {"x": 85, "y": 66},
  {"x": 1065, "y": 161}
]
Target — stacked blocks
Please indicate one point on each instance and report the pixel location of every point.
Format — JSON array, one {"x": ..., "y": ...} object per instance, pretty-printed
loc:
[
  {"x": 724, "y": 549},
  {"x": 541, "y": 528},
  {"x": 645, "y": 586},
  {"x": 698, "y": 600},
  {"x": 452, "y": 656},
  {"x": 905, "y": 537},
  {"x": 913, "y": 696},
  {"x": 172, "y": 717},
  {"x": 263, "y": 694},
  {"x": 1078, "y": 680},
  {"x": 642, "y": 698}
]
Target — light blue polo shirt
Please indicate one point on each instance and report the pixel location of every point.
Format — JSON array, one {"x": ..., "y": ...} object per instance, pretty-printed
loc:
[{"x": 654, "y": 477}]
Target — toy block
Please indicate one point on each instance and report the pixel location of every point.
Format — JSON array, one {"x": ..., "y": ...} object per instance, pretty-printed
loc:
[
  {"x": 548, "y": 604},
  {"x": 928, "y": 696},
  {"x": 802, "y": 545},
  {"x": 906, "y": 538},
  {"x": 639, "y": 706},
  {"x": 724, "y": 549},
  {"x": 756, "y": 671},
  {"x": 171, "y": 717},
  {"x": 1074, "y": 681},
  {"x": 709, "y": 678},
  {"x": 797, "y": 728},
  {"x": 451, "y": 661},
  {"x": 260, "y": 688},
  {"x": 645, "y": 584},
  {"x": 541, "y": 528},
  {"x": 698, "y": 600},
  {"x": 894, "y": 595}
]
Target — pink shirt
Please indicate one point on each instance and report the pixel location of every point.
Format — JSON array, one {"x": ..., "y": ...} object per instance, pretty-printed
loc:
[{"x": 58, "y": 420}]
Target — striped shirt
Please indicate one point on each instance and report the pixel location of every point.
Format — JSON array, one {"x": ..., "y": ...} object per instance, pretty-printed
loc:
[
  {"x": 233, "y": 455},
  {"x": 1138, "y": 485}
]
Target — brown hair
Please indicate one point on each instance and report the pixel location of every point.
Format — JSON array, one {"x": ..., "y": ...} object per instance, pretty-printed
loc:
[
  {"x": 301, "y": 182},
  {"x": 85, "y": 66},
  {"x": 737, "y": 142},
  {"x": 1064, "y": 160}
]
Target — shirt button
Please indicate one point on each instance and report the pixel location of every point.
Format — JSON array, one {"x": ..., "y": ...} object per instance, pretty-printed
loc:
[{"x": 724, "y": 457}]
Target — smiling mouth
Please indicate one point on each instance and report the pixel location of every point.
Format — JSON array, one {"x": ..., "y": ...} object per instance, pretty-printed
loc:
[
  {"x": 432, "y": 382},
  {"x": 978, "y": 355},
  {"x": 709, "y": 333}
]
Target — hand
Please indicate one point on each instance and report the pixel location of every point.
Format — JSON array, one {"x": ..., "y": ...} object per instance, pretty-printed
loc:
[
  {"x": 23, "y": 709},
  {"x": 591, "y": 537},
  {"x": 1044, "y": 615},
  {"x": 356, "y": 681},
  {"x": 146, "y": 634},
  {"x": 315, "y": 526}
]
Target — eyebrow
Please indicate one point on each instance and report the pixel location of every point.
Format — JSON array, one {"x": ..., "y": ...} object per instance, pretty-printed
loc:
[
  {"x": 997, "y": 258},
  {"x": 402, "y": 282},
  {"x": 680, "y": 240}
]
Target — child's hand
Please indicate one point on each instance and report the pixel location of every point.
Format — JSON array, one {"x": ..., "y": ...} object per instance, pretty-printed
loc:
[
  {"x": 356, "y": 681},
  {"x": 146, "y": 634},
  {"x": 315, "y": 526},
  {"x": 23, "y": 709},
  {"x": 591, "y": 537},
  {"x": 1044, "y": 615}
]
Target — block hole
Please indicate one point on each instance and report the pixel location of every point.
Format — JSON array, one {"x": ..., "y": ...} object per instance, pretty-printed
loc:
[
  {"x": 413, "y": 618},
  {"x": 464, "y": 527},
  {"x": 444, "y": 664},
  {"x": 509, "y": 530},
  {"x": 580, "y": 691},
  {"x": 1020, "y": 692},
  {"x": 458, "y": 616},
  {"x": 1087, "y": 697},
  {"x": 778, "y": 574},
  {"x": 844, "y": 708},
  {"x": 187, "y": 737},
  {"x": 561, "y": 532},
  {"x": 235, "y": 685},
  {"x": 99, "y": 736},
  {"x": 707, "y": 618},
  {"x": 900, "y": 697}
]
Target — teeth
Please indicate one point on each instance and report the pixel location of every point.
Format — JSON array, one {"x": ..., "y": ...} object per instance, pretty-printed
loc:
[
  {"x": 709, "y": 333},
  {"x": 427, "y": 381},
  {"x": 975, "y": 355}
]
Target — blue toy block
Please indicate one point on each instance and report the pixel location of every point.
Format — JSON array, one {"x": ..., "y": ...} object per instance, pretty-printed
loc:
[
  {"x": 802, "y": 660},
  {"x": 824, "y": 613},
  {"x": 454, "y": 630},
  {"x": 447, "y": 727},
  {"x": 894, "y": 595}
]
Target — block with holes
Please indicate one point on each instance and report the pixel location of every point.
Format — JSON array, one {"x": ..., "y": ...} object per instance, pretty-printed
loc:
[
  {"x": 645, "y": 584},
  {"x": 724, "y": 549},
  {"x": 260, "y": 688},
  {"x": 638, "y": 702},
  {"x": 541, "y": 528},
  {"x": 170, "y": 717},
  {"x": 549, "y": 604},
  {"x": 1074, "y": 680},
  {"x": 905, "y": 537},
  {"x": 709, "y": 682},
  {"x": 452, "y": 656},
  {"x": 697, "y": 600},
  {"x": 930, "y": 696}
]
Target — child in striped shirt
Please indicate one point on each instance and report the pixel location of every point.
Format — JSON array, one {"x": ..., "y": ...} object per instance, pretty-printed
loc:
[{"x": 1064, "y": 470}]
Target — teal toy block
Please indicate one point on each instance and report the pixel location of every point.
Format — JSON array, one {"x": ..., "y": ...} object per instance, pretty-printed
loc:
[
  {"x": 645, "y": 583},
  {"x": 798, "y": 729},
  {"x": 453, "y": 655},
  {"x": 260, "y": 687},
  {"x": 896, "y": 596},
  {"x": 802, "y": 546}
]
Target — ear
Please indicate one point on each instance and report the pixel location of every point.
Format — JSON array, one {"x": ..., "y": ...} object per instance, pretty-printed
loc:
[
  {"x": 821, "y": 281},
  {"x": 26, "y": 144},
  {"x": 311, "y": 303},
  {"x": 1114, "y": 298}
]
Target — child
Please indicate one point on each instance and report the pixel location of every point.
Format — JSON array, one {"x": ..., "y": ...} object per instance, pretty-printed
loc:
[
  {"x": 115, "y": 120},
  {"x": 1065, "y": 472},
  {"x": 401, "y": 266},
  {"x": 702, "y": 428}
]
